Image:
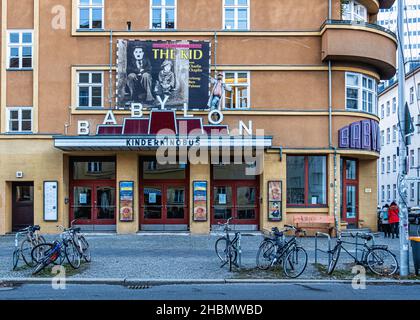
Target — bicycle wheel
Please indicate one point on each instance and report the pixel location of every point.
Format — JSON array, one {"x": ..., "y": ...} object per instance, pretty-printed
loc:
[
  {"x": 41, "y": 240},
  {"x": 26, "y": 250},
  {"x": 41, "y": 266},
  {"x": 382, "y": 262},
  {"x": 221, "y": 247},
  {"x": 72, "y": 254},
  {"x": 265, "y": 255},
  {"x": 295, "y": 262},
  {"x": 16, "y": 255},
  {"x": 83, "y": 247},
  {"x": 41, "y": 251},
  {"x": 334, "y": 259}
]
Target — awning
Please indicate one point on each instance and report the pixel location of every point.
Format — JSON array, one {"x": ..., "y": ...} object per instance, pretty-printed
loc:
[{"x": 150, "y": 142}]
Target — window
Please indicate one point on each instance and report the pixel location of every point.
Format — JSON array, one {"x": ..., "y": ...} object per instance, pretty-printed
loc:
[
  {"x": 306, "y": 180},
  {"x": 388, "y": 192},
  {"x": 382, "y": 165},
  {"x": 19, "y": 120},
  {"x": 352, "y": 10},
  {"x": 382, "y": 138},
  {"x": 412, "y": 191},
  {"x": 236, "y": 15},
  {"x": 388, "y": 164},
  {"x": 361, "y": 93},
  {"x": 91, "y": 14},
  {"x": 388, "y": 135},
  {"x": 394, "y": 105},
  {"x": 383, "y": 193},
  {"x": 90, "y": 89},
  {"x": 93, "y": 168},
  {"x": 20, "y": 49},
  {"x": 418, "y": 90},
  {"x": 394, "y": 133},
  {"x": 382, "y": 111},
  {"x": 238, "y": 98},
  {"x": 394, "y": 163},
  {"x": 394, "y": 192},
  {"x": 411, "y": 95},
  {"x": 163, "y": 14},
  {"x": 388, "y": 108},
  {"x": 412, "y": 163},
  {"x": 418, "y": 124}
]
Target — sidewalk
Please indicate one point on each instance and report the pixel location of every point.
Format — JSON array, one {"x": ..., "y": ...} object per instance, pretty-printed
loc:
[{"x": 182, "y": 257}]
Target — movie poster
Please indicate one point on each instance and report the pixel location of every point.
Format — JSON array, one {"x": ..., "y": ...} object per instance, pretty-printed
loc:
[
  {"x": 172, "y": 73},
  {"x": 275, "y": 201},
  {"x": 200, "y": 200},
  {"x": 126, "y": 201}
]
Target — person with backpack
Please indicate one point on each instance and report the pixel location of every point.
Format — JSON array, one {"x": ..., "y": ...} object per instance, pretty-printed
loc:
[
  {"x": 394, "y": 219},
  {"x": 386, "y": 227}
]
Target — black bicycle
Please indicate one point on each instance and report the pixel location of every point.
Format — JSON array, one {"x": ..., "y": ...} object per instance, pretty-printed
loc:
[
  {"x": 226, "y": 248},
  {"x": 377, "y": 258},
  {"x": 277, "y": 250}
]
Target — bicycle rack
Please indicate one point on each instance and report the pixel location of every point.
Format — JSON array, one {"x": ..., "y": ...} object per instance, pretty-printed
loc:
[
  {"x": 317, "y": 235},
  {"x": 240, "y": 251}
]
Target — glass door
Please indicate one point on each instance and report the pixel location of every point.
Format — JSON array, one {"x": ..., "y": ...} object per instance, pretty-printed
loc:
[
  {"x": 152, "y": 203},
  {"x": 93, "y": 203},
  {"x": 350, "y": 194}
]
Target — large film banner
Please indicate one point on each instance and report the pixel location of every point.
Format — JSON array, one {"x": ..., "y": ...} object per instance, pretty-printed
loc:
[{"x": 155, "y": 72}]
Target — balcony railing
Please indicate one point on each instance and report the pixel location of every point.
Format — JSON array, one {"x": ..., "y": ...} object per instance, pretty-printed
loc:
[{"x": 359, "y": 24}]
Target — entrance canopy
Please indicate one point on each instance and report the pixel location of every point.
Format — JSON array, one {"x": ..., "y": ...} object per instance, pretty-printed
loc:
[{"x": 161, "y": 129}]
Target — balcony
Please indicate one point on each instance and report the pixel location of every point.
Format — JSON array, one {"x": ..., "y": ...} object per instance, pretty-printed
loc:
[{"x": 361, "y": 43}]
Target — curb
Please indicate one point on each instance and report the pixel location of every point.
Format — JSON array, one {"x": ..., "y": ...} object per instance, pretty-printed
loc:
[{"x": 162, "y": 282}]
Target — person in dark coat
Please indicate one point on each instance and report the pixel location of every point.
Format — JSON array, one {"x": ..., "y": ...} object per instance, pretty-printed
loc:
[{"x": 139, "y": 77}]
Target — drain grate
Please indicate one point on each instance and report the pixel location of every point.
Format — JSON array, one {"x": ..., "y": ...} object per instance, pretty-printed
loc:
[{"x": 140, "y": 287}]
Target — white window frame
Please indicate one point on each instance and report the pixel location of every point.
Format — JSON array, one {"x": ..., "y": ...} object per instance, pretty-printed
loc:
[
  {"x": 236, "y": 8},
  {"x": 412, "y": 158},
  {"x": 388, "y": 135},
  {"x": 353, "y": 15},
  {"x": 388, "y": 108},
  {"x": 90, "y": 85},
  {"x": 394, "y": 163},
  {"x": 19, "y": 109},
  {"x": 394, "y": 133},
  {"x": 394, "y": 105},
  {"x": 236, "y": 85},
  {"x": 361, "y": 89},
  {"x": 388, "y": 164},
  {"x": 20, "y": 47},
  {"x": 163, "y": 7},
  {"x": 411, "y": 95},
  {"x": 90, "y": 7}
]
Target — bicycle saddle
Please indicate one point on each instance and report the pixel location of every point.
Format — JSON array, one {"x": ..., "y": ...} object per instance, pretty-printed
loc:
[
  {"x": 36, "y": 228},
  {"x": 76, "y": 229},
  {"x": 366, "y": 237}
]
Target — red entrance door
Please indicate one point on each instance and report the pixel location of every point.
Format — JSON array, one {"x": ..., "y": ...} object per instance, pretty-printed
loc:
[
  {"x": 164, "y": 203},
  {"x": 237, "y": 200},
  {"x": 93, "y": 202},
  {"x": 350, "y": 192}
]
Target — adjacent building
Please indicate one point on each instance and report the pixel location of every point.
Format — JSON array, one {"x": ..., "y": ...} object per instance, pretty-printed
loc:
[
  {"x": 390, "y": 137},
  {"x": 92, "y": 91}
]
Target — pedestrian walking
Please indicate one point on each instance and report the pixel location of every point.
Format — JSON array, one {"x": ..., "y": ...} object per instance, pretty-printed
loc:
[
  {"x": 384, "y": 216},
  {"x": 394, "y": 219}
]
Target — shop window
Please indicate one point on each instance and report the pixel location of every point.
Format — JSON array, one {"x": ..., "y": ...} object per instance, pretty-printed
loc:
[
  {"x": 239, "y": 96},
  {"x": 19, "y": 120},
  {"x": 353, "y": 10},
  {"x": 20, "y": 49},
  {"x": 91, "y": 14},
  {"x": 361, "y": 93},
  {"x": 93, "y": 169},
  {"x": 90, "y": 89},
  {"x": 163, "y": 14},
  {"x": 306, "y": 180},
  {"x": 152, "y": 170},
  {"x": 236, "y": 15}
]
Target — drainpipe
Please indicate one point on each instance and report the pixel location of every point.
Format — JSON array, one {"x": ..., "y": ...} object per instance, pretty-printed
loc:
[
  {"x": 111, "y": 53},
  {"x": 215, "y": 50},
  {"x": 329, "y": 10},
  {"x": 335, "y": 189},
  {"x": 330, "y": 104}
]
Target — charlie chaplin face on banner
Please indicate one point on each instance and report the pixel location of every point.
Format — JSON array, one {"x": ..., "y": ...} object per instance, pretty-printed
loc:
[{"x": 138, "y": 53}]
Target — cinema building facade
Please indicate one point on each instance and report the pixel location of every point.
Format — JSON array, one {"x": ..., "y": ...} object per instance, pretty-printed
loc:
[{"x": 92, "y": 91}]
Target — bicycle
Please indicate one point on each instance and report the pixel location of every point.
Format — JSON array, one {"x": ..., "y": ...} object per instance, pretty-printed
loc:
[
  {"x": 64, "y": 248},
  {"x": 81, "y": 243},
  {"x": 377, "y": 258},
  {"x": 32, "y": 239},
  {"x": 277, "y": 250},
  {"x": 227, "y": 249}
]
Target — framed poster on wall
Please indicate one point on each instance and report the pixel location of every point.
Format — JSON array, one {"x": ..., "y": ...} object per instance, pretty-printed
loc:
[
  {"x": 275, "y": 201},
  {"x": 51, "y": 201},
  {"x": 126, "y": 201},
  {"x": 200, "y": 200}
]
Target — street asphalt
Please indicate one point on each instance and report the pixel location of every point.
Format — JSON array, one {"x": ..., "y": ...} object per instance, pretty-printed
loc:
[{"x": 314, "y": 291}]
